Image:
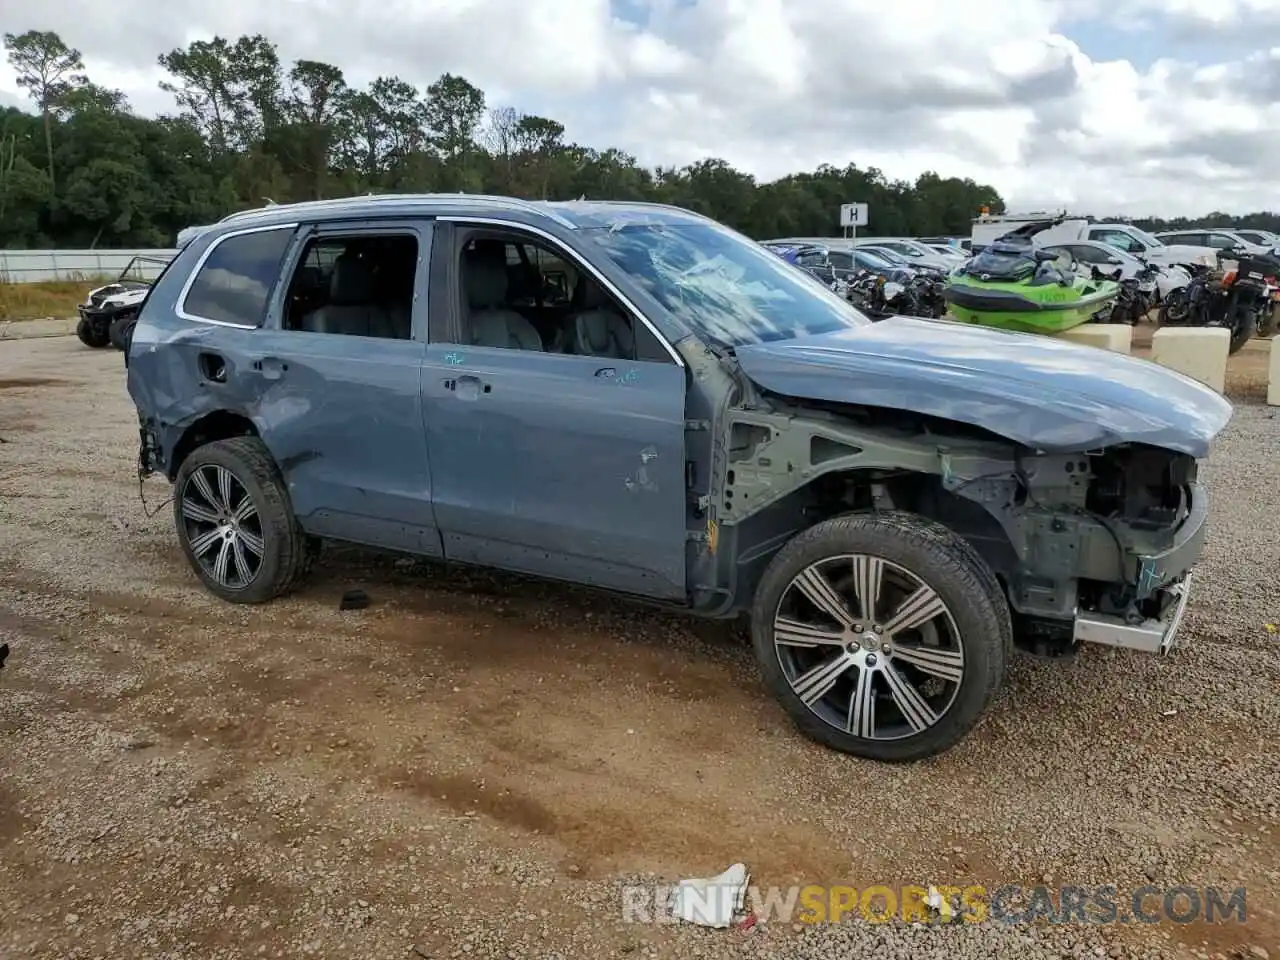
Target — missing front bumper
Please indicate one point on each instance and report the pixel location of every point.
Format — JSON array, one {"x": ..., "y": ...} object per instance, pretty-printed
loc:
[{"x": 1156, "y": 635}]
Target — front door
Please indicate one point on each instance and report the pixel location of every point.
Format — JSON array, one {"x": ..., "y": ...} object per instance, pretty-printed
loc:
[
  {"x": 559, "y": 464},
  {"x": 341, "y": 404}
]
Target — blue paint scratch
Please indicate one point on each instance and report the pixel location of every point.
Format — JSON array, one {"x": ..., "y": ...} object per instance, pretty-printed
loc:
[
  {"x": 1148, "y": 576},
  {"x": 453, "y": 359}
]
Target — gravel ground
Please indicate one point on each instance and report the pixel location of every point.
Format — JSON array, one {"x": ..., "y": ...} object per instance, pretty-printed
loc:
[{"x": 475, "y": 764}]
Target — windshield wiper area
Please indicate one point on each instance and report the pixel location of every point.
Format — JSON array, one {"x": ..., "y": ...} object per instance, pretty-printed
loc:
[{"x": 720, "y": 348}]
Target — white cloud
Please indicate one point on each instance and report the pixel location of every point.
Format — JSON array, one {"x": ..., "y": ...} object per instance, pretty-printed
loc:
[{"x": 1000, "y": 90}]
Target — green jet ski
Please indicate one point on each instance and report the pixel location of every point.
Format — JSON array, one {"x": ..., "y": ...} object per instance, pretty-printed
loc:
[{"x": 1013, "y": 286}]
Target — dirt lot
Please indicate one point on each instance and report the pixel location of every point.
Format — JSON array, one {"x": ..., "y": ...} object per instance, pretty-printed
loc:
[{"x": 473, "y": 765}]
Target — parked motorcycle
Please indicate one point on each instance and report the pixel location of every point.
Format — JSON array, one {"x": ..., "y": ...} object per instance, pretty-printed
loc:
[
  {"x": 866, "y": 291},
  {"x": 1138, "y": 294},
  {"x": 1238, "y": 300},
  {"x": 879, "y": 297},
  {"x": 926, "y": 297}
]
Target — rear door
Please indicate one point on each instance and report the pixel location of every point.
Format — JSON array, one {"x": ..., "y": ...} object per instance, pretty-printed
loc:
[
  {"x": 339, "y": 366},
  {"x": 554, "y": 461}
]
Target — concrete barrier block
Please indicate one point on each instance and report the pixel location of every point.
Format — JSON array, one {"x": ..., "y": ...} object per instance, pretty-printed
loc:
[
  {"x": 1108, "y": 336},
  {"x": 1199, "y": 352},
  {"x": 1273, "y": 375}
]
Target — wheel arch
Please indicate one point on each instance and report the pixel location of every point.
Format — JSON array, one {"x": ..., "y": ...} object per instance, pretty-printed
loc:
[
  {"x": 218, "y": 424},
  {"x": 781, "y": 471},
  {"x": 756, "y": 539}
]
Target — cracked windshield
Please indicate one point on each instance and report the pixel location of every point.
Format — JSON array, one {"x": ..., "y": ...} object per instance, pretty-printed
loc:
[{"x": 724, "y": 286}]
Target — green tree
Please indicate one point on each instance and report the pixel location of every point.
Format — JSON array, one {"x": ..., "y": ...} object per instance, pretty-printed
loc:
[
  {"x": 539, "y": 145},
  {"x": 312, "y": 107},
  {"x": 454, "y": 109},
  {"x": 229, "y": 91},
  {"x": 49, "y": 71}
]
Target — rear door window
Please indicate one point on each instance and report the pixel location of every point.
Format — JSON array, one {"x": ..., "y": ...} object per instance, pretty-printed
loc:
[{"x": 234, "y": 282}]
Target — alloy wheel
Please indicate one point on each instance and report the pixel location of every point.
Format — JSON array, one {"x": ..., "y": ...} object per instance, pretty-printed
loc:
[
  {"x": 869, "y": 647},
  {"x": 222, "y": 526}
]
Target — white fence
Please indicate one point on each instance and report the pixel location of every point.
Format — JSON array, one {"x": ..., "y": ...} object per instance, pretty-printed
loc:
[{"x": 32, "y": 266}]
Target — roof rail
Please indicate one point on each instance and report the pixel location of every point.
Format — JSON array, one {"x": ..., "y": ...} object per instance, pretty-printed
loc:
[{"x": 424, "y": 199}]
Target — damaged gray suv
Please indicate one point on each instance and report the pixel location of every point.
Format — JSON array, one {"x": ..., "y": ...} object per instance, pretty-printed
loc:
[{"x": 636, "y": 398}]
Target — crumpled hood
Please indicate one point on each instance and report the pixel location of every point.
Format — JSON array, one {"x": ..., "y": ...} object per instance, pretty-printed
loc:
[{"x": 1035, "y": 390}]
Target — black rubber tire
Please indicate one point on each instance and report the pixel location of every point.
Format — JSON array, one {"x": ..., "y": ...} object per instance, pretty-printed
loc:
[
  {"x": 1243, "y": 333},
  {"x": 944, "y": 560},
  {"x": 121, "y": 331},
  {"x": 92, "y": 334},
  {"x": 1176, "y": 304},
  {"x": 1270, "y": 321},
  {"x": 288, "y": 551}
]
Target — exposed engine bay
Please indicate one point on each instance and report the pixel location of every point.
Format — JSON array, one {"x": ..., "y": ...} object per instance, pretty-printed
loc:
[{"x": 1103, "y": 534}]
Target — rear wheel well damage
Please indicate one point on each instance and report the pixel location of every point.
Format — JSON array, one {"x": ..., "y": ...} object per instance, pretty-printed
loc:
[{"x": 218, "y": 425}]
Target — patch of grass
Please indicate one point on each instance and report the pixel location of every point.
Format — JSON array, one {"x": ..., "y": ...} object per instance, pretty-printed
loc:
[{"x": 54, "y": 298}]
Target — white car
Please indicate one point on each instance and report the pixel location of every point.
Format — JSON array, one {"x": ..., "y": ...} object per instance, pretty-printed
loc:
[
  {"x": 1121, "y": 265},
  {"x": 1229, "y": 242},
  {"x": 1263, "y": 238},
  {"x": 1124, "y": 237},
  {"x": 951, "y": 253}
]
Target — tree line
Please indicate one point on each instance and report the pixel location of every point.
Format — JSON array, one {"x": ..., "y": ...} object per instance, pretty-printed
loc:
[{"x": 83, "y": 170}]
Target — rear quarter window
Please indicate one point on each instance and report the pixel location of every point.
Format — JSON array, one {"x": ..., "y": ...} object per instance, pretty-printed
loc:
[{"x": 233, "y": 283}]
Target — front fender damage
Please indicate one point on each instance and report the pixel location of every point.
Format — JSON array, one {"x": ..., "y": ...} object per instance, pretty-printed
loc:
[{"x": 1029, "y": 514}]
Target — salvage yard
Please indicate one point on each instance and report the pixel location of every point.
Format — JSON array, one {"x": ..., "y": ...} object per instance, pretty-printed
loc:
[{"x": 474, "y": 764}]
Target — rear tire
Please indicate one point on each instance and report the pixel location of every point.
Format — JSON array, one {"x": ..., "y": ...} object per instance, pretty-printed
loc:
[
  {"x": 875, "y": 680},
  {"x": 1270, "y": 320},
  {"x": 93, "y": 333},
  {"x": 236, "y": 524},
  {"x": 121, "y": 331},
  {"x": 1242, "y": 334}
]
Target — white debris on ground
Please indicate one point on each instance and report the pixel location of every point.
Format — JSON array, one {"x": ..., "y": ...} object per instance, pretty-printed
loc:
[{"x": 711, "y": 901}]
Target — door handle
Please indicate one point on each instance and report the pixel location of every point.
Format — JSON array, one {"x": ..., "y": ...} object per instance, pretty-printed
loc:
[
  {"x": 607, "y": 373},
  {"x": 270, "y": 367},
  {"x": 467, "y": 386}
]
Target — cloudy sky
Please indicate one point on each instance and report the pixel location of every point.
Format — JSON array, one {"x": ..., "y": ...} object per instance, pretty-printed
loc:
[{"x": 1130, "y": 106}]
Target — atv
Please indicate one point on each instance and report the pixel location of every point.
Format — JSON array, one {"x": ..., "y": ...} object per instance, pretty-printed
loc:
[{"x": 108, "y": 314}]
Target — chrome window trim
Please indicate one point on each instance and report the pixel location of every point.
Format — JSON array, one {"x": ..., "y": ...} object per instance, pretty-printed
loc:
[
  {"x": 578, "y": 259},
  {"x": 181, "y": 308}
]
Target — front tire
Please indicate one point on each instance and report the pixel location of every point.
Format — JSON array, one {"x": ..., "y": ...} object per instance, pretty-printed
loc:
[
  {"x": 92, "y": 333},
  {"x": 882, "y": 635},
  {"x": 1176, "y": 309},
  {"x": 235, "y": 522}
]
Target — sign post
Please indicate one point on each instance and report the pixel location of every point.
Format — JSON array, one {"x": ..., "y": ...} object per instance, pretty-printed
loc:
[{"x": 852, "y": 216}]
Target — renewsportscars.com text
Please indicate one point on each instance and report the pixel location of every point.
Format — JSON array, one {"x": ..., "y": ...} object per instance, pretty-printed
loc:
[{"x": 1105, "y": 904}]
